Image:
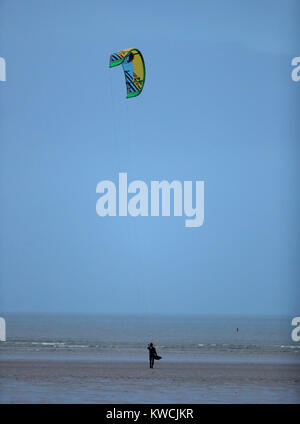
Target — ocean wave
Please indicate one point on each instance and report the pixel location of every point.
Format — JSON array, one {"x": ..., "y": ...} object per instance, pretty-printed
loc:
[
  {"x": 177, "y": 348},
  {"x": 289, "y": 347},
  {"x": 49, "y": 343}
]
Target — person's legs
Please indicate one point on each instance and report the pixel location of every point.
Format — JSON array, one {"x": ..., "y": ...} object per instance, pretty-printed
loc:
[{"x": 151, "y": 361}]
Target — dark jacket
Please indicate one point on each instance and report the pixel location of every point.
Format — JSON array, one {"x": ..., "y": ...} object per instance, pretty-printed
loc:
[{"x": 152, "y": 351}]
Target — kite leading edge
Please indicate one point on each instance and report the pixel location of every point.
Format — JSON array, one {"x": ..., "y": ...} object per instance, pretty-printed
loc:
[{"x": 134, "y": 69}]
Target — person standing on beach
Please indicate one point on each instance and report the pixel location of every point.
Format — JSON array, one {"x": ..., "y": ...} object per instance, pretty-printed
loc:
[{"x": 152, "y": 354}]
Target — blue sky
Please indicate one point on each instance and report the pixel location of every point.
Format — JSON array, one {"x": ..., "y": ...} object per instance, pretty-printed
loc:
[{"x": 218, "y": 105}]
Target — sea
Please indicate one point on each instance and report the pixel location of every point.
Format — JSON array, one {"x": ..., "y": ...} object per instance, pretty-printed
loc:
[{"x": 125, "y": 337}]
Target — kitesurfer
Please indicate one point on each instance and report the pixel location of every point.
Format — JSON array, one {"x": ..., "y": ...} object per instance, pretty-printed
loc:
[{"x": 152, "y": 354}]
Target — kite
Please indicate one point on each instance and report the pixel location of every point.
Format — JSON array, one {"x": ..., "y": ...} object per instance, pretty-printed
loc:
[{"x": 133, "y": 67}]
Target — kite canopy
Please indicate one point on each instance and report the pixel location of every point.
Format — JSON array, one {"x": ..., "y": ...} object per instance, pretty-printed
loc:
[{"x": 134, "y": 69}]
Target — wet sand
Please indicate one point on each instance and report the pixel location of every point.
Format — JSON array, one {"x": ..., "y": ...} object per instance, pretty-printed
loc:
[{"x": 76, "y": 381}]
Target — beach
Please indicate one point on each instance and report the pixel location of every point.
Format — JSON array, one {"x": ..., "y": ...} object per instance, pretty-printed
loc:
[
  {"x": 104, "y": 359},
  {"x": 90, "y": 381}
]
